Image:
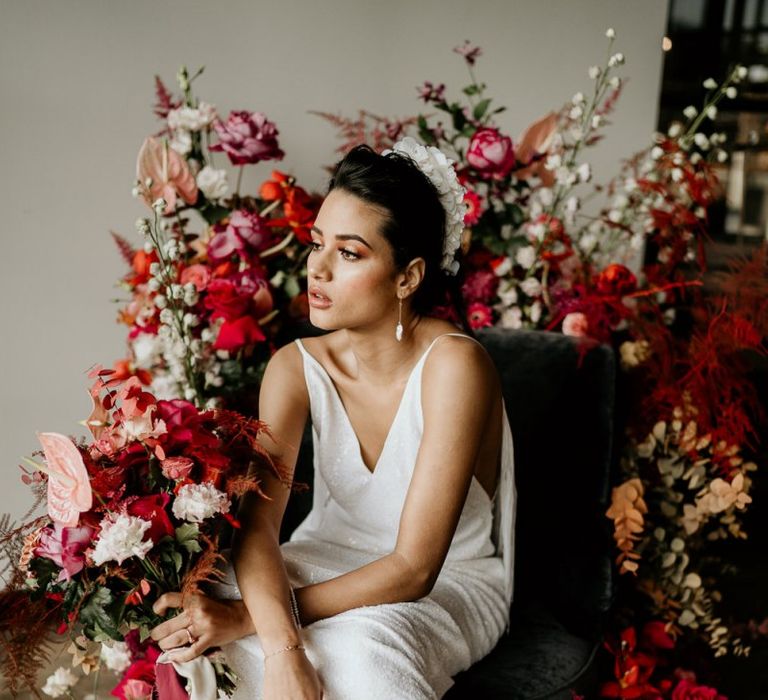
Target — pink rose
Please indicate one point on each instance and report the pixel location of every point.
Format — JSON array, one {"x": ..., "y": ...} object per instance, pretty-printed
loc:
[
  {"x": 136, "y": 689},
  {"x": 688, "y": 690},
  {"x": 575, "y": 324},
  {"x": 65, "y": 546},
  {"x": 199, "y": 275},
  {"x": 247, "y": 137},
  {"x": 177, "y": 467},
  {"x": 491, "y": 153}
]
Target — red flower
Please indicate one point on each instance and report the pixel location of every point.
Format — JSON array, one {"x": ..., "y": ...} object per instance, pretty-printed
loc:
[
  {"x": 656, "y": 636},
  {"x": 139, "y": 670},
  {"x": 479, "y": 315},
  {"x": 491, "y": 153},
  {"x": 226, "y": 300},
  {"x": 185, "y": 426},
  {"x": 474, "y": 208},
  {"x": 177, "y": 467},
  {"x": 153, "y": 509},
  {"x": 236, "y": 334},
  {"x": 480, "y": 285},
  {"x": 247, "y": 137},
  {"x": 140, "y": 264},
  {"x": 137, "y": 595},
  {"x": 616, "y": 281},
  {"x": 125, "y": 369},
  {"x": 688, "y": 690}
]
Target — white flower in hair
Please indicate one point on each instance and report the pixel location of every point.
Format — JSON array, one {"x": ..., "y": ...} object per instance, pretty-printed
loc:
[{"x": 439, "y": 169}]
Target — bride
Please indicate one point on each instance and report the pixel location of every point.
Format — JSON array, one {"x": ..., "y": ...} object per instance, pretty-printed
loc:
[{"x": 401, "y": 575}]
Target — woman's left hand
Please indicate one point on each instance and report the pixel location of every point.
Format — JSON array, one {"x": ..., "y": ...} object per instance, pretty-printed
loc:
[{"x": 202, "y": 623}]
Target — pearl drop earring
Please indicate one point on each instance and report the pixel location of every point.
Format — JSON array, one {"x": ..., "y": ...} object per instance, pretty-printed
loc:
[{"x": 399, "y": 326}]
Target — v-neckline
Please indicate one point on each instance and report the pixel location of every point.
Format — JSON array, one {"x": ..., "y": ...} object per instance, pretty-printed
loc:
[{"x": 351, "y": 428}]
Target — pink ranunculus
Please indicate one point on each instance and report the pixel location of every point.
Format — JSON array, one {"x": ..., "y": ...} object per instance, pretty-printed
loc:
[
  {"x": 199, "y": 275},
  {"x": 491, "y": 153},
  {"x": 479, "y": 315},
  {"x": 237, "y": 333},
  {"x": 247, "y": 137},
  {"x": 575, "y": 324},
  {"x": 227, "y": 300},
  {"x": 688, "y": 689},
  {"x": 177, "y": 467},
  {"x": 65, "y": 546}
]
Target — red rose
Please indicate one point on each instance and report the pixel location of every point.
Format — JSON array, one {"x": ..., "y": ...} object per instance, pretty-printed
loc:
[
  {"x": 491, "y": 153},
  {"x": 226, "y": 300},
  {"x": 688, "y": 690},
  {"x": 184, "y": 425},
  {"x": 233, "y": 335},
  {"x": 616, "y": 281},
  {"x": 152, "y": 508}
]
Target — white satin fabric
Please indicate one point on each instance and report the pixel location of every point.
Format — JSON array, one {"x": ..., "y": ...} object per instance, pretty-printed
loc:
[{"x": 400, "y": 651}]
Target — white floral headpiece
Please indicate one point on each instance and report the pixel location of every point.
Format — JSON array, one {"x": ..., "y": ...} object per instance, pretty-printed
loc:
[{"x": 439, "y": 169}]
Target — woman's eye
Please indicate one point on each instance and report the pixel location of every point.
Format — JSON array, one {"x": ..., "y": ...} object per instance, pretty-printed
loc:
[
  {"x": 314, "y": 245},
  {"x": 348, "y": 254}
]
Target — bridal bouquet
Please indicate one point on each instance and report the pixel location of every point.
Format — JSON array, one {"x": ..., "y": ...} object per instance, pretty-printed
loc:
[
  {"x": 138, "y": 510},
  {"x": 217, "y": 280}
]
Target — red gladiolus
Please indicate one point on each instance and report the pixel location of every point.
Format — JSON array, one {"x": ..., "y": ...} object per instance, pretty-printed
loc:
[{"x": 491, "y": 153}]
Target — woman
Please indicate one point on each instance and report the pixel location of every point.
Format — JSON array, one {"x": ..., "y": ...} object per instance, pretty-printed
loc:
[{"x": 397, "y": 580}]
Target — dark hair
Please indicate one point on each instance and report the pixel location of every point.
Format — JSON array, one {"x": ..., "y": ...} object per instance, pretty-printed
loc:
[{"x": 414, "y": 217}]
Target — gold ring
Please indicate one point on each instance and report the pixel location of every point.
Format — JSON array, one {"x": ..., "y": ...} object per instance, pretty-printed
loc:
[{"x": 192, "y": 640}]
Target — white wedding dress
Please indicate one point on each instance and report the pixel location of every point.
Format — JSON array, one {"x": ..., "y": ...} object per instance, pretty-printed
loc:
[{"x": 399, "y": 651}]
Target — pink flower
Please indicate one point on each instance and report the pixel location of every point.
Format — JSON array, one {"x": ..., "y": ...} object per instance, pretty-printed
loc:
[
  {"x": 575, "y": 324},
  {"x": 688, "y": 690},
  {"x": 480, "y": 285},
  {"x": 199, "y": 275},
  {"x": 474, "y": 208},
  {"x": 136, "y": 689},
  {"x": 169, "y": 174},
  {"x": 65, "y": 546},
  {"x": 432, "y": 93},
  {"x": 479, "y": 315},
  {"x": 247, "y": 137},
  {"x": 177, "y": 467},
  {"x": 469, "y": 52},
  {"x": 491, "y": 153},
  {"x": 244, "y": 229},
  {"x": 135, "y": 402}
]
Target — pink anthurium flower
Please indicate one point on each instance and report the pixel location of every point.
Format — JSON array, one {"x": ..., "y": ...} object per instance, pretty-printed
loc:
[{"x": 169, "y": 174}]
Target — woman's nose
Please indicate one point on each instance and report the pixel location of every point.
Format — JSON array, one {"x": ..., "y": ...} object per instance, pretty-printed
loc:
[{"x": 317, "y": 265}]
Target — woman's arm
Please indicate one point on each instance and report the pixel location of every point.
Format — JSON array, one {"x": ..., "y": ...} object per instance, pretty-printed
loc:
[
  {"x": 258, "y": 563},
  {"x": 460, "y": 395}
]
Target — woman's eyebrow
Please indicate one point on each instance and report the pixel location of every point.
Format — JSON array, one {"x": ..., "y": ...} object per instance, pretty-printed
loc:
[{"x": 346, "y": 237}]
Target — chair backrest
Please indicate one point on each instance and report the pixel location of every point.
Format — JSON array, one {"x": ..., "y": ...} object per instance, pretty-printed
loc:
[{"x": 561, "y": 415}]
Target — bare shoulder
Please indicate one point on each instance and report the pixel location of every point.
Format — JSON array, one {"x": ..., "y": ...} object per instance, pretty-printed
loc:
[
  {"x": 324, "y": 347},
  {"x": 285, "y": 371},
  {"x": 460, "y": 365}
]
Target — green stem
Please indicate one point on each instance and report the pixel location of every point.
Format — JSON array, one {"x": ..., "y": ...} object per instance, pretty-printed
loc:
[{"x": 239, "y": 180}]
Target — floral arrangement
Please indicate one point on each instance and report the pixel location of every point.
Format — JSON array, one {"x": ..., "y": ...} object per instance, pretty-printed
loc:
[
  {"x": 218, "y": 279},
  {"x": 140, "y": 509},
  {"x": 628, "y": 274}
]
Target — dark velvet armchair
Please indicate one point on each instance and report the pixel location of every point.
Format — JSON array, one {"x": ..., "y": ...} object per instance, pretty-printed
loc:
[{"x": 561, "y": 416}]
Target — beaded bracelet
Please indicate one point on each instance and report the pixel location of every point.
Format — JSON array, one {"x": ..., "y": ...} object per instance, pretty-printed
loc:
[
  {"x": 290, "y": 647},
  {"x": 295, "y": 609}
]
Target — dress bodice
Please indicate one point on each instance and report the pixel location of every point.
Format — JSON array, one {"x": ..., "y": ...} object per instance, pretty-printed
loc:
[{"x": 360, "y": 509}]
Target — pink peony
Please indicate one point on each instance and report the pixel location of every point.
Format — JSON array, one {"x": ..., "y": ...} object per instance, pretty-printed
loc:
[
  {"x": 177, "y": 467},
  {"x": 65, "y": 547},
  {"x": 688, "y": 689},
  {"x": 491, "y": 153},
  {"x": 479, "y": 315},
  {"x": 247, "y": 137},
  {"x": 575, "y": 324}
]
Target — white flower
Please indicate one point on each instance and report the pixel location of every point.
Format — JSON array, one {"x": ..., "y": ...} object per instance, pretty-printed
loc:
[
  {"x": 712, "y": 112},
  {"x": 121, "y": 537},
  {"x": 181, "y": 142},
  {"x": 146, "y": 348},
  {"x": 657, "y": 152},
  {"x": 677, "y": 174},
  {"x": 701, "y": 141},
  {"x": 531, "y": 286},
  {"x": 212, "y": 182},
  {"x": 503, "y": 267},
  {"x": 576, "y": 112},
  {"x": 507, "y": 293},
  {"x": 675, "y": 130},
  {"x": 116, "y": 656},
  {"x": 610, "y": 33},
  {"x": 191, "y": 119},
  {"x": 731, "y": 92},
  {"x": 59, "y": 683},
  {"x": 722, "y": 156},
  {"x": 585, "y": 172},
  {"x": 512, "y": 318},
  {"x": 594, "y": 71},
  {"x": 439, "y": 169},
  {"x": 587, "y": 242},
  {"x": 709, "y": 84},
  {"x": 553, "y": 161},
  {"x": 196, "y": 502},
  {"x": 535, "y": 312},
  {"x": 616, "y": 60},
  {"x": 578, "y": 98},
  {"x": 597, "y": 120},
  {"x": 741, "y": 72},
  {"x": 526, "y": 256},
  {"x": 615, "y": 82},
  {"x": 690, "y": 112}
]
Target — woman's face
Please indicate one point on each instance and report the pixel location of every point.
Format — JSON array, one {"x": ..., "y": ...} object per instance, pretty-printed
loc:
[{"x": 351, "y": 273}]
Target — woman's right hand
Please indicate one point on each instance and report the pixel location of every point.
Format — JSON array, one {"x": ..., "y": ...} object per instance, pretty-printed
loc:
[{"x": 291, "y": 676}]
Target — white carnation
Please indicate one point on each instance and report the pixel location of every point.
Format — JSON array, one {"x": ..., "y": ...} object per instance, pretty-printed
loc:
[
  {"x": 196, "y": 502},
  {"x": 212, "y": 182},
  {"x": 181, "y": 142},
  {"x": 512, "y": 318},
  {"x": 116, "y": 656},
  {"x": 146, "y": 349},
  {"x": 59, "y": 683},
  {"x": 120, "y": 538},
  {"x": 526, "y": 256},
  {"x": 191, "y": 119}
]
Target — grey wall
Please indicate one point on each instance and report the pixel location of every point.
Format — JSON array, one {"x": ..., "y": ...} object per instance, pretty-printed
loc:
[{"x": 76, "y": 86}]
